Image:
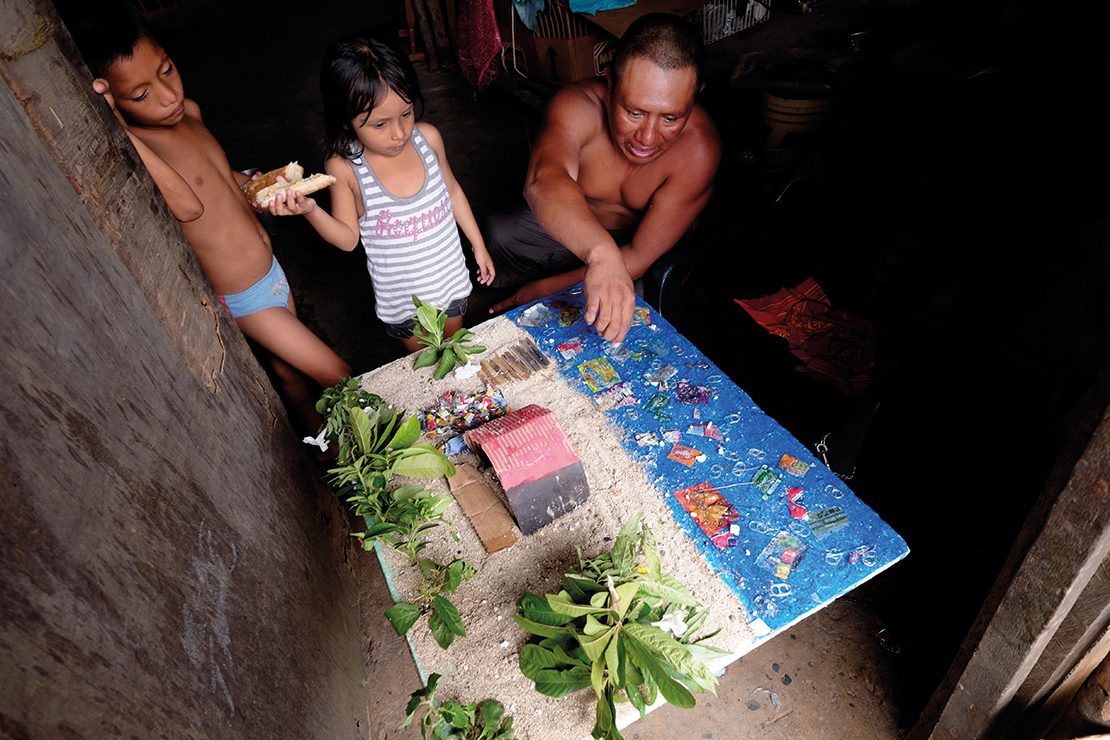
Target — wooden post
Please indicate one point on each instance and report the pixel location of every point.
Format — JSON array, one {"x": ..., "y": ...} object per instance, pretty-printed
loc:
[
  {"x": 173, "y": 566},
  {"x": 1047, "y": 615}
]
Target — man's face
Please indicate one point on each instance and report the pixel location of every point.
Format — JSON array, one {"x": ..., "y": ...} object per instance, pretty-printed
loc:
[
  {"x": 146, "y": 87},
  {"x": 649, "y": 107}
]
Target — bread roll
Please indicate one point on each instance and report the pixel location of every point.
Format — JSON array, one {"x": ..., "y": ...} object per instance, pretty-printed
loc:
[
  {"x": 263, "y": 189},
  {"x": 291, "y": 172}
]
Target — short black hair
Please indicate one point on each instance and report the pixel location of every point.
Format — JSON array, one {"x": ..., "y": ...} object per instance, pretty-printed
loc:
[
  {"x": 667, "y": 40},
  {"x": 105, "y": 31},
  {"x": 357, "y": 74}
]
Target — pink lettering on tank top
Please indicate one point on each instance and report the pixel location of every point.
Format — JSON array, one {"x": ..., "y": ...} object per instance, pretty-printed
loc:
[{"x": 413, "y": 225}]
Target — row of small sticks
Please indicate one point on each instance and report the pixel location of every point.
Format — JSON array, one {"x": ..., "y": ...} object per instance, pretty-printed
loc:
[{"x": 515, "y": 363}]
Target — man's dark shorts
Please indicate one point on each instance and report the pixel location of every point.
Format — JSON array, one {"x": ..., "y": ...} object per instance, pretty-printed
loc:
[{"x": 523, "y": 251}]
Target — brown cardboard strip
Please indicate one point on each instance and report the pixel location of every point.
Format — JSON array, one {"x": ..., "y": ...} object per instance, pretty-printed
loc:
[{"x": 480, "y": 504}]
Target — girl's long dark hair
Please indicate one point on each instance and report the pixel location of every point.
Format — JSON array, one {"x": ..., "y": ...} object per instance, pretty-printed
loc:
[{"x": 357, "y": 73}]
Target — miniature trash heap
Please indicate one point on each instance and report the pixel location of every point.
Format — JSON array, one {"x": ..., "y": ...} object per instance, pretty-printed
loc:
[{"x": 541, "y": 474}]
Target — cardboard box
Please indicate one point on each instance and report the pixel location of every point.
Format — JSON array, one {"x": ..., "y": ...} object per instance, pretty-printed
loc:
[
  {"x": 567, "y": 60},
  {"x": 565, "y": 47}
]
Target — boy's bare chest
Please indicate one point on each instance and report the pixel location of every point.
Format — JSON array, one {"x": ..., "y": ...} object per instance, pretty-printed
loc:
[{"x": 194, "y": 154}]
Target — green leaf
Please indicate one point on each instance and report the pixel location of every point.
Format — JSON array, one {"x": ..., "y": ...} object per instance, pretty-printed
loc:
[
  {"x": 363, "y": 430},
  {"x": 538, "y": 628},
  {"x": 593, "y": 627},
  {"x": 632, "y": 691},
  {"x": 491, "y": 712},
  {"x": 626, "y": 594},
  {"x": 420, "y": 462},
  {"x": 428, "y": 317},
  {"x": 440, "y": 631},
  {"x": 656, "y": 675},
  {"x": 449, "y": 614},
  {"x": 563, "y": 604},
  {"x": 669, "y": 589},
  {"x": 674, "y": 652},
  {"x": 595, "y": 645},
  {"x": 597, "y": 677},
  {"x": 406, "y": 434},
  {"x": 446, "y": 364},
  {"x": 427, "y": 358},
  {"x": 604, "y": 726},
  {"x": 614, "y": 662},
  {"x": 402, "y": 616},
  {"x": 534, "y": 659},
  {"x": 557, "y": 684},
  {"x": 624, "y": 546},
  {"x": 537, "y": 609}
]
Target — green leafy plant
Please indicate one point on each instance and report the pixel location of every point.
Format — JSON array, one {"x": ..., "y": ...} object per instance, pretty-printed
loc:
[
  {"x": 375, "y": 442},
  {"x": 334, "y": 406},
  {"x": 443, "y": 618},
  {"x": 443, "y": 352},
  {"x": 451, "y": 720},
  {"x": 622, "y": 626}
]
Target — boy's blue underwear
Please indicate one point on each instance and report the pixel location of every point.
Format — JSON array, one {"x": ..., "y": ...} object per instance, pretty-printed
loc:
[{"x": 272, "y": 291}]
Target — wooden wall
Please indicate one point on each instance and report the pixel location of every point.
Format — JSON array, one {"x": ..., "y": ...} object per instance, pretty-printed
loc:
[{"x": 170, "y": 564}]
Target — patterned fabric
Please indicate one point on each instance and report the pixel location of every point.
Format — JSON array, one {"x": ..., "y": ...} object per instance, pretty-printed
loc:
[
  {"x": 836, "y": 347},
  {"x": 479, "y": 43},
  {"x": 412, "y": 244}
]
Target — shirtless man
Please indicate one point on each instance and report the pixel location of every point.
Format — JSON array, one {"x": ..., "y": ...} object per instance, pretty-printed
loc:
[
  {"x": 619, "y": 172},
  {"x": 141, "y": 84}
]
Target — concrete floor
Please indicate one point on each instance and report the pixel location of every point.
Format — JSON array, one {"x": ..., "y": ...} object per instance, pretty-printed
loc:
[{"x": 830, "y": 677}]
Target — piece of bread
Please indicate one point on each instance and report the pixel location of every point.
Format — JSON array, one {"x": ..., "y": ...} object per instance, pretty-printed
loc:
[{"x": 293, "y": 173}]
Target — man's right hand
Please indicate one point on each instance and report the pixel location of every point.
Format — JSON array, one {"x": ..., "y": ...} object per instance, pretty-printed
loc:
[{"x": 610, "y": 297}]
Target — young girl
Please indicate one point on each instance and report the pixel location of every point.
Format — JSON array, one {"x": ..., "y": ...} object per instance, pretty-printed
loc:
[{"x": 393, "y": 188}]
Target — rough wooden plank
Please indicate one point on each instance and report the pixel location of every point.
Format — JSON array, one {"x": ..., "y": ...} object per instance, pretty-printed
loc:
[
  {"x": 172, "y": 565},
  {"x": 40, "y": 64},
  {"x": 1058, "y": 554}
]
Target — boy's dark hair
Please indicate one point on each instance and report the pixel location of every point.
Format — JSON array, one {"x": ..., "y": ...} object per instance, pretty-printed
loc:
[
  {"x": 104, "y": 31},
  {"x": 357, "y": 73},
  {"x": 669, "y": 41}
]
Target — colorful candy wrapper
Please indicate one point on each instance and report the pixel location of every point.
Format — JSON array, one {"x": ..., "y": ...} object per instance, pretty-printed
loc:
[
  {"x": 783, "y": 554},
  {"x": 824, "y": 521},
  {"x": 537, "y": 315},
  {"x": 688, "y": 393},
  {"x": 656, "y": 404},
  {"x": 619, "y": 395},
  {"x": 713, "y": 513},
  {"x": 570, "y": 348},
  {"x": 599, "y": 374},
  {"x": 794, "y": 466},
  {"x": 766, "y": 481},
  {"x": 685, "y": 455}
]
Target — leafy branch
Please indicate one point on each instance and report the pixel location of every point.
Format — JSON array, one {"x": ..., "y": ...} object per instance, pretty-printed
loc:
[
  {"x": 451, "y": 720},
  {"x": 443, "y": 617},
  {"x": 374, "y": 443},
  {"x": 443, "y": 352},
  {"x": 622, "y": 626}
]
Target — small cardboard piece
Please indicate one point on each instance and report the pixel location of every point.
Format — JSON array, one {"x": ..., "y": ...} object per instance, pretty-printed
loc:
[
  {"x": 542, "y": 476},
  {"x": 481, "y": 505}
]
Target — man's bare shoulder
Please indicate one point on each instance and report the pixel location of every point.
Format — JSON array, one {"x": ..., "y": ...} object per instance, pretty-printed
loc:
[
  {"x": 579, "y": 105},
  {"x": 699, "y": 147}
]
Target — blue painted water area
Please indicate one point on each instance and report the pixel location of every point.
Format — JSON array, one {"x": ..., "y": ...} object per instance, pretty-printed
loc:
[{"x": 780, "y": 529}]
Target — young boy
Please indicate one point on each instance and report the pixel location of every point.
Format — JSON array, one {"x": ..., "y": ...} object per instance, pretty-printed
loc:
[{"x": 139, "y": 80}]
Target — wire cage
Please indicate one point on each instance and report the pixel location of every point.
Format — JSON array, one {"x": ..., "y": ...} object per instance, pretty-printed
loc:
[{"x": 717, "y": 20}]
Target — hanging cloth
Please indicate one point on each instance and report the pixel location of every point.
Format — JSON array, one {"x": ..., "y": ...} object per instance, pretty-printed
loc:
[{"x": 479, "y": 43}]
